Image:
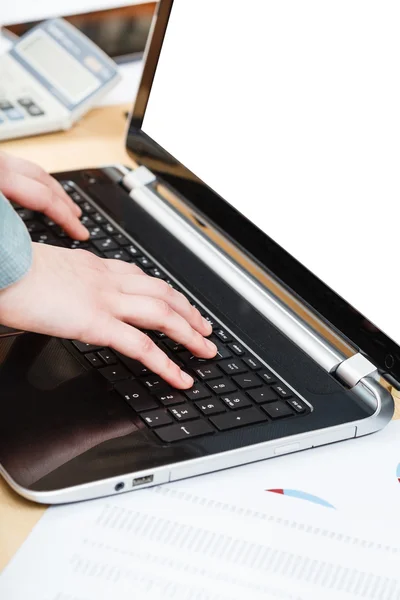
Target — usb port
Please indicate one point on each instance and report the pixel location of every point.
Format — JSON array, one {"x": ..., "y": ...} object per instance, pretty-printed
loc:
[{"x": 142, "y": 480}]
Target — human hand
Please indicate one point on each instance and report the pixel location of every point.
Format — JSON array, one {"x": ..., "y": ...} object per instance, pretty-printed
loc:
[
  {"x": 30, "y": 186},
  {"x": 74, "y": 294}
]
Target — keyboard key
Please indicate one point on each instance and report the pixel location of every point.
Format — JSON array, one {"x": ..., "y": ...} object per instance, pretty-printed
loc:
[
  {"x": 208, "y": 372},
  {"x": 110, "y": 229},
  {"x": 87, "y": 221},
  {"x": 237, "y": 349},
  {"x": 247, "y": 381},
  {"x": 197, "y": 392},
  {"x": 159, "y": 334},
  {"x": 134, "y": 366},
  {"x": 34, "y": 226},
  {"x": 34, "y": 110},
  {"x": 233, "y": 419},
  {"x": 234, "y": 366},
  {"x": 154, "y": 383},
  {"x": 25, "y": 101},
  {"x": 76, "y": 197},
  {"x": 184, "y": 412},
  {"x": 107, "y": 357},
  {"x": 97, "y": 233},
  {"x": 74, "y": 244},
  {"x": 174, "y": 346},
  {"x": 157, "y": 418},
  {"x": 282, "y": 390},
  {"x": 210, "y": 407},
  {"x": 298, "y": 406},
  {"x": 223, "y": 335},
  {"x": 156, "y": 272},
  {"x": 98, "y": 218},
  {"x": 235, "y": 401},
  {"x": 25, "y": 214},
  {"x": 267, "y": 376},
  {"x": 277, "y": 410},
  {"x": 66, "y": 187},
  {"x": 105, "y": 244},
  {"x": 210, "y": 319},
  {"x": 5, "y": 105},
  {"x": 252, "y": 363},
  {"x": 59, "y": 231},
  {"x": 191, "y": 361},
  {"x": 263, "y": 394},
  {"x": 118, "y": 254},
  {"x": 133, "y": 251},
  {"x": 48, "y": 222},
  {"x": 13, "y": 114},
  {"x": 48, "y": 240},
  {"x": 222, "y": 386},
  {"x": 178, "y": 432},
  {"x": 222, "y": 351},
  {"x": 121, "y": 240},
  {"x": 94, "y": 360},
  {"x": 170, "y": 398},
  {"x": 83, "y": 347},
  {"x": 145, "y": 262},
  {"x": 137, "y": 397},
  {"x": 114, "y": 373},
  {"x": 85, "y": 206}
]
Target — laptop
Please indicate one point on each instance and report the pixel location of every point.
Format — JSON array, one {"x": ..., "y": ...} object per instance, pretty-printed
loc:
[{"x": 265, "y": 192}]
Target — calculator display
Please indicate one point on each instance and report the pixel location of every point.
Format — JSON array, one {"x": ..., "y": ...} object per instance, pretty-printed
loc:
[{"x": 58, "y": 66}]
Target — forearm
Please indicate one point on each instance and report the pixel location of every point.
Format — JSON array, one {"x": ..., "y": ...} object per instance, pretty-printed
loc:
[{"x": 15, "y": 245}]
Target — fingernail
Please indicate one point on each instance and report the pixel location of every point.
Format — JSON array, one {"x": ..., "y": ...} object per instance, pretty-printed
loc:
[
  {"x": 206, "y": 323},
  {"x": 85, "y": 231},
  {"x": 186, "y": 378},
  {"x": 211, "y": 346}
]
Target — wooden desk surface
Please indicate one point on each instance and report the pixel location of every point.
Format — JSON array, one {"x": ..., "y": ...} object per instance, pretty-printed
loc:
[{"x": 97, "y": 140}]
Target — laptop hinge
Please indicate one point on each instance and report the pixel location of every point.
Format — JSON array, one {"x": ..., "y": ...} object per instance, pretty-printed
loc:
[
  {"x": 140, "y": 177},
  {"x": 350, "y": 371},
  {"x": 353, "y": 369}
]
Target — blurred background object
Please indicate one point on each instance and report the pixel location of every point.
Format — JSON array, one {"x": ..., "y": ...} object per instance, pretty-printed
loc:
[
  {"x": 121, "y": 31},
  {"x": 118, "y": 27}
]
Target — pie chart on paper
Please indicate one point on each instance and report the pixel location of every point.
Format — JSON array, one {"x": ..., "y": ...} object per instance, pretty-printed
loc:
[{"x": 304, "y": 496}]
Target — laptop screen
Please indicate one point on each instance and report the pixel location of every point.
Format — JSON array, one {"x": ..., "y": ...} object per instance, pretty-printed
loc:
[{"x": 300, "y": 132}]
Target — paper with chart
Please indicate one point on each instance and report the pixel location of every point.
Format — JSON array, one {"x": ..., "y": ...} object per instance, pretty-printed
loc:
[{"x": 224, "y": 537}]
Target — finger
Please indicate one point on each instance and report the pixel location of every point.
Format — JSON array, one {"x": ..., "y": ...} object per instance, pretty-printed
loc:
[
  {"x": 121, "y": 267},
  {"x": 33, "y": 171},
  {"x": 156, "y": 288},
  {"x": 151, "y": 313},
  {"x": 129, "y": 341},
  {"x": 36, "y": 196}
]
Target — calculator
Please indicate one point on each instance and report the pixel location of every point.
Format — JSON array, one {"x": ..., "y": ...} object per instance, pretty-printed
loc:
[{"x": 50, "y": 78}]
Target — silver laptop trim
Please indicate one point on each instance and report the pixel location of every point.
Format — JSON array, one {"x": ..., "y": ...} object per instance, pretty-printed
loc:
[{"x": 139, "y": 183}]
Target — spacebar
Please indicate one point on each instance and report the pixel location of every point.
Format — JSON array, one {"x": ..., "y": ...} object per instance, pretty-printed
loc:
[{"x": 175, "y": 433}]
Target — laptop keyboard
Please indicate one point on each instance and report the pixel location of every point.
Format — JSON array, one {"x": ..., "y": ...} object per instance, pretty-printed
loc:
[{"x": 232, "y": 390}]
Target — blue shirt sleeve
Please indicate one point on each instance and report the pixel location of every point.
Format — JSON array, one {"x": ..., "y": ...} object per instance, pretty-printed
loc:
[{"x": 15, "y": 245}]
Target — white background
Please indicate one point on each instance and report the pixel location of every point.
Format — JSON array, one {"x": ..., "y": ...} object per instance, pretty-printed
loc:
[{"x": 291, "y": 111}]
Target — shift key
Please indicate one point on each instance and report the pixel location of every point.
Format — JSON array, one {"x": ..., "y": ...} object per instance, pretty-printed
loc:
[{"x": 135, "y": 395}]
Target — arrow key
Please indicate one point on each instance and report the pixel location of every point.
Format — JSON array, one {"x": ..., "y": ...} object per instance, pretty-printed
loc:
[{"x": 232, "y": 420}]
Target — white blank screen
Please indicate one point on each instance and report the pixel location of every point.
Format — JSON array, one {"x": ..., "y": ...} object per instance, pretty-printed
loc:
[{"x": 290, "y": 110}]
